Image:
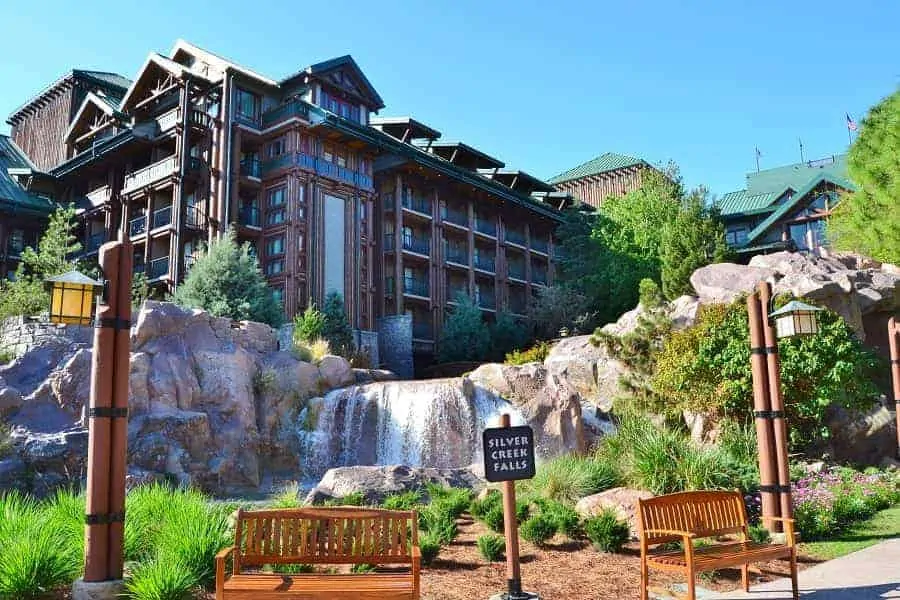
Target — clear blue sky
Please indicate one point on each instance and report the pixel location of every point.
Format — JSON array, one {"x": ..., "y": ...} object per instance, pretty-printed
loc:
[{"x": 542, "y": 85}]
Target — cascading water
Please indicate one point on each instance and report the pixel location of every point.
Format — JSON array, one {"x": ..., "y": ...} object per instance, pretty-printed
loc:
[{"x": 436, "y": 423}]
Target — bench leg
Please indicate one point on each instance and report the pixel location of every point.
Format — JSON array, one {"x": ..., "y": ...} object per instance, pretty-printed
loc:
[
  {"x": 691, "y": 587},
  {"x": 794, "y": 587},
  {"x": 645, "y": 581},
  {"x": 745, "y": 577}
]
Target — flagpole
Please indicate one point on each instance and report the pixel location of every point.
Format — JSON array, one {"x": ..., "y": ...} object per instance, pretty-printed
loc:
[
  {"x": 849, "y": 136},
  {"x": 801, "y": 149},
  {"x": 757, "y": 159}
]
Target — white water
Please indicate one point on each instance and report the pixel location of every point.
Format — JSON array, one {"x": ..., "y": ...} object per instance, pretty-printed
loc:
[{"x": 435, "y": 423}]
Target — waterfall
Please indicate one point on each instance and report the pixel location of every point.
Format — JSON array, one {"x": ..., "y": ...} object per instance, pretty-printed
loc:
[{"x": 436, "y": 423}]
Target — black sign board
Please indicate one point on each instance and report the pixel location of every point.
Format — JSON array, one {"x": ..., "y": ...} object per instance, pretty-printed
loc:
[{"x": 508, "y": 453}]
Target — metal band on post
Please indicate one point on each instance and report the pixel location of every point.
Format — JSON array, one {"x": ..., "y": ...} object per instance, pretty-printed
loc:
[
  {"x": 107, "y": 413},
  {"x": 104, "y": 519},
  {"x": 113, "y": 323}
]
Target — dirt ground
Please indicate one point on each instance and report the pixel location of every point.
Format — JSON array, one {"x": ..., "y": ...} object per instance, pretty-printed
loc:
[{"x": 562, "y": 570}]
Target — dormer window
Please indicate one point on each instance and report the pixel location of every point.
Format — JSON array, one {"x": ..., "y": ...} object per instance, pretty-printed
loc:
[
  {"x": 246, "y": 104},
  {"x": 340, "y": 107}
]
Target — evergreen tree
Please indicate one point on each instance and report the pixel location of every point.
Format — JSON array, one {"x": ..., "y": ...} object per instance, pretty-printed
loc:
[
  {"x": 227, "y": 282},
  {"x": 335, "y": 326},
  {"x": 507, "y": 334},
  {"x": 464, "y": 337},
  {"x": 53, "y": 256},
  {"x": 868, "y": 220},
  {"x": 694, "y": 238}
]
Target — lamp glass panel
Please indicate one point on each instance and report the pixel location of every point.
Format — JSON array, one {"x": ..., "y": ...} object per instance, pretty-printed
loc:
[
  {"x": 71, "y": 304},
  {"x": 784, "y": 326}
]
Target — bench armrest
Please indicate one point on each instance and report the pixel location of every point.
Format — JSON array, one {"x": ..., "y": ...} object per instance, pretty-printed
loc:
[
  {"x": 224, "y": 553},
  {"x": 780, "y": 519},
  {"x": 416, "y": 553},
  {"x": 788, "y": 528},
  {"x": 677, "y": 532},
  {"x": 220, "y": 569}
]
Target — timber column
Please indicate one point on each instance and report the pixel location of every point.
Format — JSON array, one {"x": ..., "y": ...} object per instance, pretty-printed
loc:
[{"x": 894, "y": 339}]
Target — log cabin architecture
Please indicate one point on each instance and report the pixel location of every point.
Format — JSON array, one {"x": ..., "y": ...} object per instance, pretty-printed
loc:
[
  {"x": 785, "y": 208},
  {"x": 607, "y": 175},
  {"x": 329, "y": 198}
]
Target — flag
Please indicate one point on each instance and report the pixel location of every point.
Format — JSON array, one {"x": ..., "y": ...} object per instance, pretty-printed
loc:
[{"x": 851, "y": 124}]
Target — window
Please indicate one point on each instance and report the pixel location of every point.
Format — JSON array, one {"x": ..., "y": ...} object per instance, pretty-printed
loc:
[
  {"x": 736, "y": 237},
  {"x": 276, "y": 197},
  {"x": 799, "y": 237},
  {"x": 300, "y": 242},
  {"x": 275, "y": 267},
  {"x": 278, "y": 147},
  {"x": 16, "y": 241},
  {"x": 275, "y": 246},
  {"x": 246, "y": 104},
  {"x": 342, "y": 108},
  {"x": 275, "y": 217}
]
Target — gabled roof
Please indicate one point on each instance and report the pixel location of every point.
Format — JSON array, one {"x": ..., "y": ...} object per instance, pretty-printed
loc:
[
  {"x": 602, "y": 164},
  {"x": 158, "y": 61},
  {"x": 346, "y": 61},
  {"x": 110, "y": 106},
  {"x": 113, "y": 84},
  {"x": 518, "y": 180},
  {"x": 13, "y": 197},
  {"x": 789, "y": 205},
  {"x": 796, "y": 175},
  {"x": 214, "y": 60}
]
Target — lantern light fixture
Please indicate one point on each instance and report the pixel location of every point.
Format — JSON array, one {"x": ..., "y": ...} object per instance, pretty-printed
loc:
[
  {"x": 795, "y": 319},
  {"x": 72, "y": 298}
]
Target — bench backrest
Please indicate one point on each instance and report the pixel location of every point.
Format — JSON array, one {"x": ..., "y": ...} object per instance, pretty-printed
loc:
[
  {"x": 705, "y": 514},
  {"x": 340, "y": 535}
]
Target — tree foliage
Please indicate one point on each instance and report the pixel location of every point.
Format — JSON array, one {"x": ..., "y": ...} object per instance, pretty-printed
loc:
[
  {"x": 335, "y": 326},
  {"x": 560, "y": 306},
  {"x": 464, "y": 336},
  {"x": 507, "y": 334},
  {"x": 706, "y": 368},
  {"x": 868, "y": 220},
  {"x": 54, "y": 255},
  {"x": 227, "y": 282},
  {"x": 633, "y": 237}
]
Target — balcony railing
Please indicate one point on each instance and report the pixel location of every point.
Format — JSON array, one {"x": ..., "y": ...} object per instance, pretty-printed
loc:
[
  {"x": 189, "y": 262},
  {"x": 201, "y": 119},
  {"x": 454, "y": 291},
  {"x": 250, "y": 167},
  {"x": 455, "y": 216},
  {"x": 162, "y": 217},
  {"x": 539, "y": 275},
  {"x": 485, "y": 263},
  {"x": 422, "y": 329},
  {"x": 364, "y": 181},
  {"x": 485, "y": 226},
  {"x": 167, "y": 121},
  {"x": 249, "y": 216},
  {"x": 249, "y": 120},
  {"x": 540, "y": 245},
  {"x": 93, "y": 242},
  {"x": 514, "y": 236},
  {"x": 99, "y": 197},
  {"x": 295, "y": 108},
  {"x": 137, "y": 226},
  {"x": 417, "y": 286},
  {"x": 419, "y": 204},
  {"x": 517, "y": 271},
  {"x": 306, "y": 161},
  {"x": 149, "y": 175},
  {"x": 517, "y": 305},
  {"x": 159, "y": 267},
  {"x": 194, "y": 217},
  {"x": 457, "y": 255},
  {"x": 279, "y": 162}
]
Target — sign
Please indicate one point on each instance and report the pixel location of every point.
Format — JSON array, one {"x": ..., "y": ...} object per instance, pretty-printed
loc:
[{"x": 508, "y": 453}]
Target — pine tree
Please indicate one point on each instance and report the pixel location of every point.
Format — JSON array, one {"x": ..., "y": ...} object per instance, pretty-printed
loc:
[
  {"x": 335, "y": 326},
  {"x": 868, "y": 220},
  {"x": 464, "y": 336},
  {"x": 227, "y": 282}
]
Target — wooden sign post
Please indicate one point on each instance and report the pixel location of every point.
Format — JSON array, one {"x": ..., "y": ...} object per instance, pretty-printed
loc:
[{"x": 508, "y": 457}]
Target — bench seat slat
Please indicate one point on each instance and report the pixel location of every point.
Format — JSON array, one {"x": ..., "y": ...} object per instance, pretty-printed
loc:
[
  {"x": 723, "y": 555},
  {"x": 319, "y": 583}
]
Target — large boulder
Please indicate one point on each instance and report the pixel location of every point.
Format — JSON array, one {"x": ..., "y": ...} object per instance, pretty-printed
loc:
[
  {"x": 377, "y": 482},
  {"x": 622, "y": 500},
  {"x": 724, "y": 282},
  {"x": 863, "y": 438}
]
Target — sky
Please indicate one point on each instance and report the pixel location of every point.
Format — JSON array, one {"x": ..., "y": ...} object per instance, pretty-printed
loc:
[{"x": 544, "y": 86}]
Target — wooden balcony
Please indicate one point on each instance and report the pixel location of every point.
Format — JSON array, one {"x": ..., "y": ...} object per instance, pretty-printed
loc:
[
  {"x": 419, "y": 205},
  {"x": 455, "y": 216},
  {"x": 250, "y": 167},
  {"x": 248, "y": 216},
  {"x": 100, "y": 196},
  {"x": 484, "y": 226},
  {"x": 516, "y": 271},
  {"x": 150, "y": 175},
  {"x": 409, "y": 243},
  {"x": 161, "y": 217},
  {"x": 296, "y": 109},
  {"x": 514, "y": 236},
  {"x": 539, "y": 244},
  {"x": 488, "y": 264},
  {"x": 137, "y": 226},
  {"x": 158, "y": 268},
  {"x": 93, "y": 242},
  {"x": 411, "y": 286}
]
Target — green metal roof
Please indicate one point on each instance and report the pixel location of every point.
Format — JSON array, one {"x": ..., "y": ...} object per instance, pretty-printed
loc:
[
  {"x": 743, "y": 202},
  {"x": 602, "y": 164},
  {"x": 14, "y": 198},
  {"x": 795, "y": 200},
  {"x": 795, "y": 176}
]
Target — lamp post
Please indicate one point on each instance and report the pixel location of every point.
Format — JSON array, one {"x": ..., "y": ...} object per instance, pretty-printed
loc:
[
  {"x": 794, "y": 319},
  {"x": 72, "y": 298}
]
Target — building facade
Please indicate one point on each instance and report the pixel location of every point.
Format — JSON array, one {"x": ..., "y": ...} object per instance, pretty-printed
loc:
[
  {"x": 328, "y": 198},
  {"x": 785, "y": 208},
  {"x": 607, "y": 175}
]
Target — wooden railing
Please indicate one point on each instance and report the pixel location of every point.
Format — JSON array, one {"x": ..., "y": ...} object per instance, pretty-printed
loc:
[
  {"x": 159, "y": 267},
  {"x": 100, "y": 196},
  {"x": 295, "y": 108},
  {"x": 148, "y": 175}
]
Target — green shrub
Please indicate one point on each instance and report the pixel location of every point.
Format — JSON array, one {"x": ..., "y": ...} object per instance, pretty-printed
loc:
[
  {"x": 480, "y": 508},
  {"x": 564, "y": 517},
  {"x": 362, "y": 568},
  {"x": 759, "y": 534},
  {"x": 335, "y": 326},
  {"x": 606, "y": 532},
  {"x": 491, "y": 546},
  {"x": 430, "y": 546},
  {"x": 292, "y": 568},
  {"x": 464, "y": 336},
  {"x": 536, "y": 353},
  {"x": 159, "y": 579},
  {"x": 64, "y": 512},
  {"x": 523, "y": 509},
  {"x": 308, "y": 326},
  {"x": 494, "y": 518},
  {"x": 226, "y": 281},
  {"x": 351, "y": 499},
  {"x": 6, "y": 443},
  {"x": 403, "y": 501},
  {"x": 6, "y": 355},
  {"x": 456, "y": 500},
  {"x": 438, "y": 520},
  {"x": 288, "y": 497},
  {"x": 537, "y": 529},
  {"x": 507, "y": 333},
  {"x": 569, "y": 478}
]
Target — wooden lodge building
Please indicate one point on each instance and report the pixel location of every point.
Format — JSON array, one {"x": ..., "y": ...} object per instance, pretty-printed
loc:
[
  {"x": 785, "y": 208},
  {"x": 330, "y": 198},
  {"x": 607, "y": 175}
]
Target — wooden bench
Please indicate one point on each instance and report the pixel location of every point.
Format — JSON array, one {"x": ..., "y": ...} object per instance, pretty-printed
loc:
[
  {"x": 688, "y": 516},
  {"x": 321, "y": 536}
]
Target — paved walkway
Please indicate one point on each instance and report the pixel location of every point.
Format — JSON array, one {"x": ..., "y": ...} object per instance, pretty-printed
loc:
[{"x": 870, "y": 573}]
